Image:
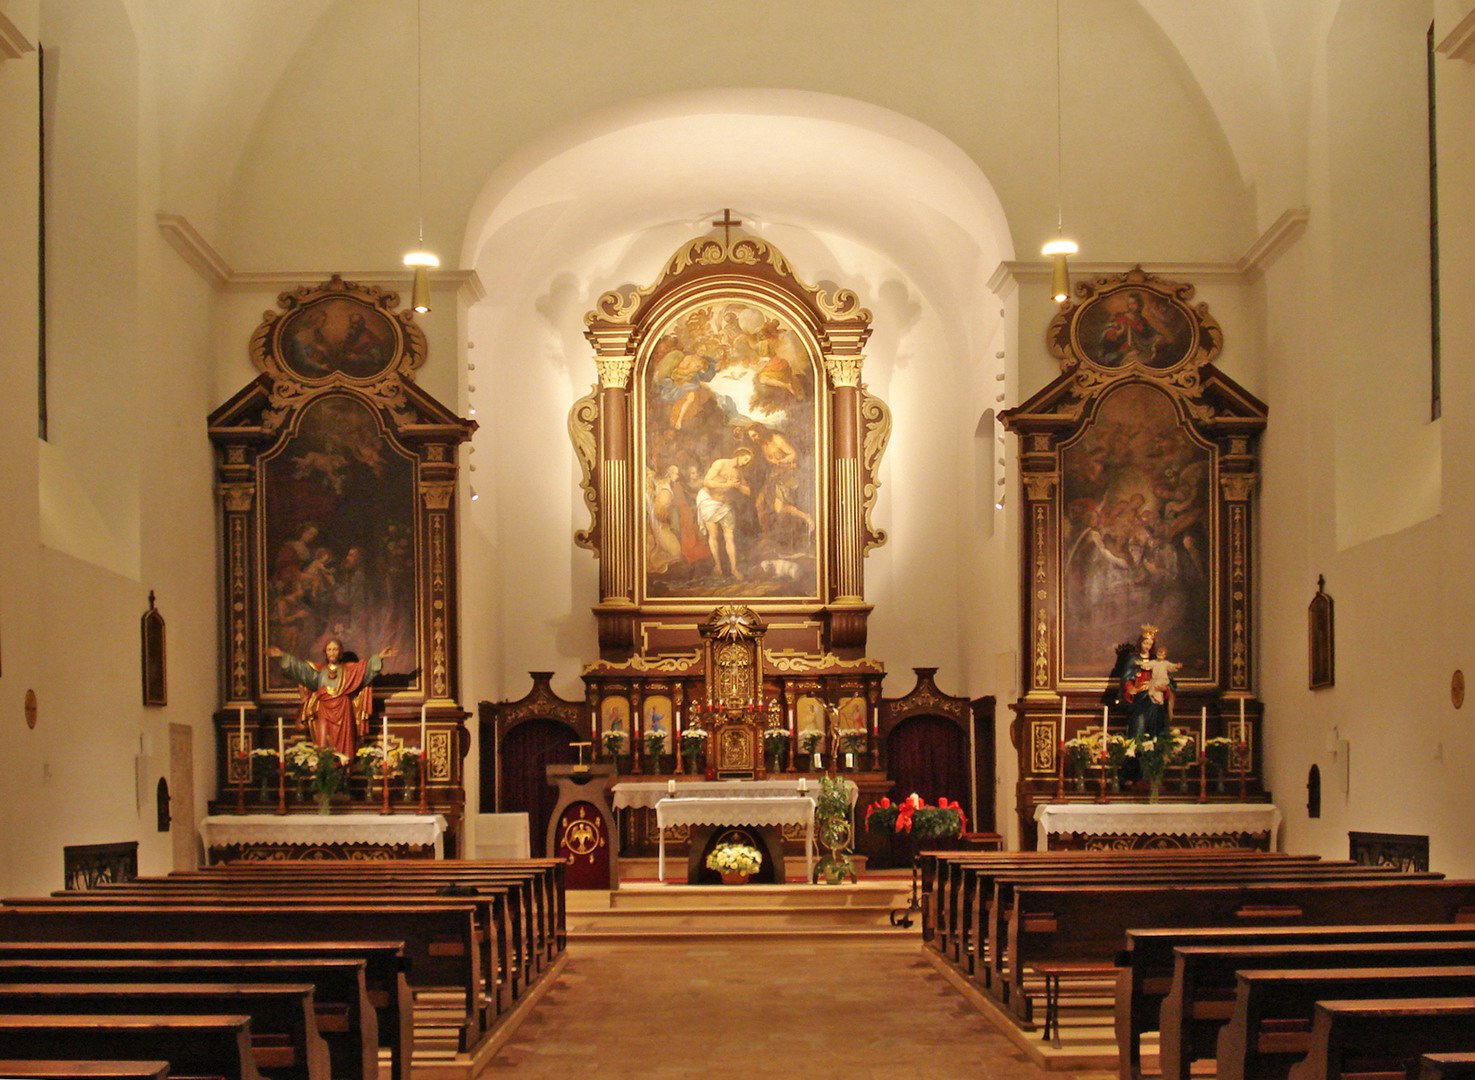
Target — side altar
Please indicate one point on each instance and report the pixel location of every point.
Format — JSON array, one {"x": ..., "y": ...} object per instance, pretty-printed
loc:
[
  {"x": 353, "y": 837},
  {"x": 336, "y": 479},
  {"x": 1138, "y": 467}
]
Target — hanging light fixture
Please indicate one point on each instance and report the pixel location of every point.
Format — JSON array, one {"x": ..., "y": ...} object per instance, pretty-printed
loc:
[
  {"x": 420, "y": 260},
  {"x": 1058, "y": 249}
]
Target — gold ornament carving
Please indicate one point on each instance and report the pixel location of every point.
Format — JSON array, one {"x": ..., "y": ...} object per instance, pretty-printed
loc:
[
  {"x": 1040, "y": 486},
  {"x": 844, "y": 370},
  {"x": 799, "y": 663},
  {"x": 1042, "y": 738},
  {"x": 671, "y": 665},
  {"x": 614, "y": 371},
  {"x": 1237, "y": 486},
  {"x": 583, "y": 419},
  {"x": 875, "y": 419},
  {"x": 438, "y": 753},
  {"x": 238, "y": 498},
  {"x": 437, "y": 496}
]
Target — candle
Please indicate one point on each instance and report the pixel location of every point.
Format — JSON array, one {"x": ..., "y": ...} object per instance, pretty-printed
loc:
[
  {"x": 1103, "y": 721},
  {"x": 422, "y": 726},
  {"x": 670, "y": 787},
  {"x": 1062, "y": 721},
  {"x": 1203, "y": 731},
  {"x": 1242, "y": 718},
  {"x": 803, "y": 785},
  {"x": 384, "y": 741},
  {"x": 242, "y": 747},
  {"x": 279, "y": 739}
]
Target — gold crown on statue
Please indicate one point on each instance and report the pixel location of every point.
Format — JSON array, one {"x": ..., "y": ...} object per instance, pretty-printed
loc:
[{"x": 1148, "y": 628}]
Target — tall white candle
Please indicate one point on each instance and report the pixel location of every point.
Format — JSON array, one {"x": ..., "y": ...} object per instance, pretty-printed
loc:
[
  {"x": 384, "y": 741},
  {"x": 1062, "y": 721},
  {"x": 243, "y": 729},
  {"x": 1203, "y": 731},
  {"x": 1241, "y": 718},
  {"x": 280, "y": 746},
  {"x": 1103, "y": 721},
  {"x": 422, "y": 727}
]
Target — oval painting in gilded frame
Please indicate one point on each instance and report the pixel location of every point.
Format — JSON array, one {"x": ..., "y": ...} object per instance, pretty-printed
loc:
[
  {"x": 337, "y": 335},
  {"x": 1133, "y": 325},
  {"x": 730, "y": 434}
]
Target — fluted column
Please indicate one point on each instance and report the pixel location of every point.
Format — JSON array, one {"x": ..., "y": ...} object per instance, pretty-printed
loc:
[
  {"x": 617, "y": 523},
  {"x": 849, "y": 579}
]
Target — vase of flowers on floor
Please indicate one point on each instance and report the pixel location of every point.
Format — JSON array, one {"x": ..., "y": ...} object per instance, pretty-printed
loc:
[{"x": 735, "y": 862}]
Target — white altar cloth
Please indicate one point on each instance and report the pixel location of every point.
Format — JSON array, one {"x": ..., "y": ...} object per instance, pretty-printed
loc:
[
  {"x": 417, "y": 830},
  {"x": 631, "y": 794},
  {"x": 1171, "y": 819},
  {"x": 744, "y": 810}
]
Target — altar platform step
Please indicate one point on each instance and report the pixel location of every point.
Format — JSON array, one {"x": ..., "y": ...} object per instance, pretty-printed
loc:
[{"x": 655, "y": 912}]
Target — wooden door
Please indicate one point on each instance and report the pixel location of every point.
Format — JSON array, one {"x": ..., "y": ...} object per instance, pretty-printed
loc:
[{"x": 526, "y": 752}]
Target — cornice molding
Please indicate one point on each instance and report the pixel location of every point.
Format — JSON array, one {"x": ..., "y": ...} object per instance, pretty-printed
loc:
[
  {"x": 1459, "y": 43},
  {"x": 1270, "y": 245},
  {"x": 13, "y": 44},
  {"x": 202, "y": 257}
]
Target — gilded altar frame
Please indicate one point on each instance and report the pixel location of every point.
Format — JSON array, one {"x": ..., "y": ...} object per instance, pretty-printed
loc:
[
  {"x": 336, "y": 482},
  {"x": 804, "y": 350},
  {"x": 1137, "y": 469}
]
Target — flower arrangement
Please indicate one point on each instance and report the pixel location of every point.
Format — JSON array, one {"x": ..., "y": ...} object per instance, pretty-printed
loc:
[
  {"x": 370, "y": 760},
  {"x": 1114, "y": 753},
  {"x": 1080, "y": 752},
  {"x": 810, "y": 740},
  {"x": 740, "y": 859},
  {"x": 1185, "y": 752},
  {"x": 403, "y": 761},
  {"x": 851, "y": 740},
  {"x": 616, "y": 742},
  {"x": 323, "y": 766},
  {"x": 1154, "y": 753},
  {"x": 655, "y": 742},
  {"x": 1220, "y": 753},
  {"x": 915, "y": 818},
  {"x": 693, "y": 739},
  {"x": 264, "y": 766}
]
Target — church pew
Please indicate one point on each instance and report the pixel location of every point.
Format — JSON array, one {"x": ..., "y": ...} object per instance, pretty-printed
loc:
[
  {"x": 284, "y": 1034},
  {"x": 197, "y": 1046},
  {"x": 376, "y": 999},
  {"x": 950, "y": 876},
  {"x": 1269, "y": 1030},
  {"x": 17, "y": 1069},
  {"x": 529, "y": 936},
  {"x": 440, "y": 941},
  {"x": 498, "y": 921},
  {"x": 995, "y": 913},
  {"x": 1148, "y": 962},
  {"x": 1383, "y": 1038},
  {"x": 1201, "y": 999},
  {"x": 345, "y": 1019},
  {"x": 1086, "y": 922},
  {"x": 549, "y": 874},
  {"x": 1447, "y": 1067}
]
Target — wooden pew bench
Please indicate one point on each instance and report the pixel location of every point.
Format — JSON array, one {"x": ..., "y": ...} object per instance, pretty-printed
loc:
[
  {"x": 344, "y": 1017},
  {"x": 1269, "y": 1031},
  {"x": 440, "y": 941},
  {"x": 382, "y": 1008},
  {"x": 1084, "y": 922},
  {"x": 196, "y": 1046},
  {"x": 1148, "y": 963},
  {"x": 13, "y": 1069},
  {"x": 1447, "y": 1067},
  {"x": 284, "y": 1035},
  {"x": 1201, "y": 999},
  {"x": 1383, "y": 1039}
]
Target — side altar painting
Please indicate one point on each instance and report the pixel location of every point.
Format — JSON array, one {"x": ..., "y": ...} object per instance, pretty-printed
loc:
[
  {"x": 731, "y": 488},
  {"x": 1137, "y": 470},
  {"x": 336, "y": 478}
]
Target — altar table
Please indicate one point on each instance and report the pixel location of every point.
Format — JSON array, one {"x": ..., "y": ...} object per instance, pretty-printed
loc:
[
  {"x": 259, "y": 837},
  {"x": 1157, "y": 825},
  {"x": 629, "y": 794},
  {"x": 740, "y": 810}
]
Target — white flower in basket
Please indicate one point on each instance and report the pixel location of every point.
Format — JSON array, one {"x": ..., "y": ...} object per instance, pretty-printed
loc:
[{"x": 735, "y": 859}]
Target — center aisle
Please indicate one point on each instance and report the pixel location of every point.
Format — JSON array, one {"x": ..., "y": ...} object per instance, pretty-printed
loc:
[{"x": 758, "y": 1010}]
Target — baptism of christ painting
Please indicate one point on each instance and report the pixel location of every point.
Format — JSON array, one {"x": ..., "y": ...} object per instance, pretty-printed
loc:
[
  {"x": 731, "y": 491},
  {"x": 1135, "y": 539},
  {"x": 338, "y": 509}
]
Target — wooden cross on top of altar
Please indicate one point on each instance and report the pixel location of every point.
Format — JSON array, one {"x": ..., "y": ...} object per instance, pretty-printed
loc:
[{"x": 732, "y": 640}]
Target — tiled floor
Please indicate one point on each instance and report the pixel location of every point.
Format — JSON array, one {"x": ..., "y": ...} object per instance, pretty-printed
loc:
[{"x": 758, "y": 1010}]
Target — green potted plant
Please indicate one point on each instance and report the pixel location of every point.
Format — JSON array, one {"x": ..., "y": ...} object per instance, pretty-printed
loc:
[
  {"x": 832, "y": 827},
  {"x": 321, "y": 768},
  {"x": 776, "y": 748},
  {"x": 809, "y": 744}
]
